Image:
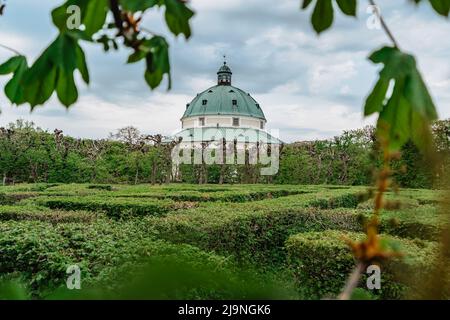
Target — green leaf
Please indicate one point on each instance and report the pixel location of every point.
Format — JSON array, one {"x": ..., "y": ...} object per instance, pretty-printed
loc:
[
  {"x": 139, "y": 5},
  {"x": 137, "y": 56},
  {"x": 53, "y": 70},
  {"x": 348, "y": 7},
  {"x": 60, "y": 14},
  {"x": 374, "y": 102},
  {"x": 38, "y": 91},
  {"x": 66, "y": 88},
  {"x": 13, "y": 89},
  {"x": 177, "y": 17},
  {"x": 306, "y": 3},
  {"x": 11, "y": 64},
  {"x": 418, "y": 96},
  {"x": 408, "y": 112},
  {"x": 81, "y": 64},
  {"x": 322, "y": 17},
  {"x": 93, "y": 15},
  {"x": 393, "y": 123},
  {"x": 441, "y": 6},
  {"x": 157, "y": 60}
]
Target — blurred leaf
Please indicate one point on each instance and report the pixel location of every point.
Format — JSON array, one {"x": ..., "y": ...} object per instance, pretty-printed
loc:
[
  {"x": 177, "y": 17},
  {"x": 93, "y": 15},
  {"x": 66, "y": 88},
  {"x": 441, "y": 6},
  {"x": 410, "y": 109},
  {"x": 139, "y": 5},
  {"x": 322, "y": 17},
  {"x": 13, "y": 90},
  {"x": 53, "y": 70},
  {"x": 306, "y": 3},
  {"x": 11, "y": 65},
  {"x": 348, "y": 7},
  {"x": 137, "y": 56},
  {"x": 157, "y": 60},
  {"x": 374, "y": 102},
  {"x": 323, "y": 14},
  {"x": 81, "y": 64}
]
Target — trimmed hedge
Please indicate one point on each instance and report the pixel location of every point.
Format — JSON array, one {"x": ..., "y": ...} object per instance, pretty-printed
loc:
[
  {"x": 114, "y": 207},
  {"x": 11, "y": 198},
  {"x": 123, "y": 260},
  {"x": 249, "y": 236},
  {"x": 348, "y": 200},
  {"x": 44, "y": 214},
  {"x": 424, "y": 222},
  {"x": 219, "y": 196},
  {"x": 322, "y": 261},
  {"x": 42, "y": 252}
]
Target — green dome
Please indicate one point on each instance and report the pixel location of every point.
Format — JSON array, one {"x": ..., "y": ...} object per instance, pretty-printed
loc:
[
  {"x": 224, "y": 69},
  {"x": 224, "y": 100}
]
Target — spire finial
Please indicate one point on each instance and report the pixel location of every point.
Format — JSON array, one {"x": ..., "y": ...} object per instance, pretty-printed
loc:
[{"x": 224, "y": 59}]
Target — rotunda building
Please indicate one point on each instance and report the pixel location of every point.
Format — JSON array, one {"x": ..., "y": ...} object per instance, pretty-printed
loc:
[{"x": 225, "y": 111}]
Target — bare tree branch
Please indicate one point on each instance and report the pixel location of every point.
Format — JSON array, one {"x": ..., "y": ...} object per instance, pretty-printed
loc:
[
  {"x": 383, "y": 24},
  {"x": 11, "y": 49}
]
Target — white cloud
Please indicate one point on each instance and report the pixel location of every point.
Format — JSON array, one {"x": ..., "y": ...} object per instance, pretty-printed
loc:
[{"x": 325, "y": 77}]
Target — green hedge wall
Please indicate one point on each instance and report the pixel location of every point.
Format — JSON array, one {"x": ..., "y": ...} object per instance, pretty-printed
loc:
[
  {"x": 27, "y": 212},
  {"x": 249, "y": 235},
  {"x": 113, "y": 207},
  {"x": 321, "y": 263}
]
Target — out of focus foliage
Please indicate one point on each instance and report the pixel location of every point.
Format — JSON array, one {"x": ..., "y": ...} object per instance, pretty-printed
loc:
[{"x": 109, "y": 23}]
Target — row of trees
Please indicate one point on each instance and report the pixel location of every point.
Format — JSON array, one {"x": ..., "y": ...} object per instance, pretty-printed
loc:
[{"x": 30, "y": 154}]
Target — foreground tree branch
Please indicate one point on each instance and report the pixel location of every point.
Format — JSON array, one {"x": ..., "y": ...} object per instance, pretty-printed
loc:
[{"x": 383, "y": 24}]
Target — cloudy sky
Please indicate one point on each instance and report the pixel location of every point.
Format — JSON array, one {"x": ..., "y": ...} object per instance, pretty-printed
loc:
[{"x": 309, "y": 87}]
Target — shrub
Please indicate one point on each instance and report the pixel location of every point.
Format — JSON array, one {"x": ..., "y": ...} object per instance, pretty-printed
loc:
[
  {"x": 29, "y": 212},
  {"x": 42, "y": 252},
  {"x": 114, "y": 207},
  {"x": 248, "y": 235},
  {"x": 322, "y": 261},
  {"x": 423, "y": 222},
  {"x": 348, "y": 200},
  {"x": 11, "y": 198},
  {"x": 100, "y": 187}
]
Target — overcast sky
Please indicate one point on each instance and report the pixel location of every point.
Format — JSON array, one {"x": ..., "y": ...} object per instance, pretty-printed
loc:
[{"x": 309, "y": 87}]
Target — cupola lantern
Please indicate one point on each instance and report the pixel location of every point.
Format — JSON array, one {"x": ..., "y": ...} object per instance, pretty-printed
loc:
[{"x": 224, "y": 75}]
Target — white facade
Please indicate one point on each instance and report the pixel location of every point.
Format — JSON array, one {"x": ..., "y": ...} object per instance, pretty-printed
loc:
[{"x": 223, "y": 121}]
